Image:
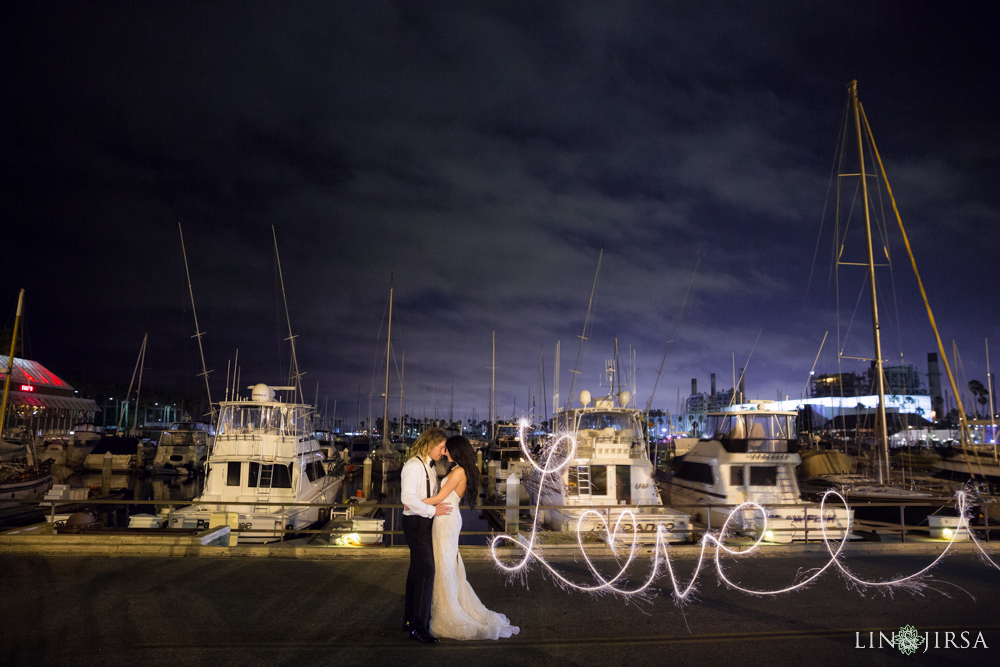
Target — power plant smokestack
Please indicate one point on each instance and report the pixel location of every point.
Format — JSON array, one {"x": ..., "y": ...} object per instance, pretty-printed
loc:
[
  {"x": 934, "y": 380},
  {"x": 713, "y": 384},
  {"x": 694, "y": 386}
]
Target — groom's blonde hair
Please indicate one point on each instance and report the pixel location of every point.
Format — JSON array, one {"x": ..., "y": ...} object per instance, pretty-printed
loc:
[{"x": 427, "y": 441}]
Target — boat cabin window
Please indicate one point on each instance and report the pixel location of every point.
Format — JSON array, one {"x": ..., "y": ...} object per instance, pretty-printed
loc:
[
  {"x": 759, "y": 475},
  {"x": 580, "y": 476},
  {"x": 694, "y": 472},
  {"x": 233, "y": 473},
  {"x": 735, "y": 475},
  {"x": 763, "y": 475},
  {"x": 281, "y": 476},
  {"x": 315, "y": 470}
]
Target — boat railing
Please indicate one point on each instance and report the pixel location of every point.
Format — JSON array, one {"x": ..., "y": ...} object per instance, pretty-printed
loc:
[{"x": 984, "y": 524}]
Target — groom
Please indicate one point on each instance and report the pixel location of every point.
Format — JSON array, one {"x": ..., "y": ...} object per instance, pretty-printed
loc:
[{"x": 419, "y": 480}]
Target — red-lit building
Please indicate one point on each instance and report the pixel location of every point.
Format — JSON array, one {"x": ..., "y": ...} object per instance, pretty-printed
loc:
[{"x": 39, "y": 400}]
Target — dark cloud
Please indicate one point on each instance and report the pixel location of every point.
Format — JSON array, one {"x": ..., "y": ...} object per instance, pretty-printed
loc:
[{"x": 484, "y": 155}]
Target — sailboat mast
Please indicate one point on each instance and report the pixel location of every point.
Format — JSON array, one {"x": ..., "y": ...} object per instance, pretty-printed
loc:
[
  {"x": 882, "y": 437},
  {"x": 198, "y": 333},
  {"x": 10, "y": 359},
  {"x": 388, "y": 348}
]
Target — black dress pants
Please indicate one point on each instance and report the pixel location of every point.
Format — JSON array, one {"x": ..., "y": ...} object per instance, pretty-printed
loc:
[{"x": 420, "y": 577}]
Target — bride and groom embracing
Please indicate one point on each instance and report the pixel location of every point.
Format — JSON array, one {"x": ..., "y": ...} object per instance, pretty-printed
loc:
[{"x": 439, "y": 600}]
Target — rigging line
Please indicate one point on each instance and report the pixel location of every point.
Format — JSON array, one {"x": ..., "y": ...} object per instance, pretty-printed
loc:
[
  {"x": 815, "y": 361},
  {"x": 854, "y": 314},
  {"x": 586, "y": 323},
  {"x": 294, "y": 365},
  {"x": 920, "y": 283},
  {"x": 745, "y": 366},
  {"x": 882, "y": 224},
  {"x": 677, "y": 320},
  {"x": 819, "y": 233},
  {"x": 377, "y": 362}
]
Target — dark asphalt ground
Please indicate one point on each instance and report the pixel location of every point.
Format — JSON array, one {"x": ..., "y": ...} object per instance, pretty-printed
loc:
[{"x": 259, "y": 611}]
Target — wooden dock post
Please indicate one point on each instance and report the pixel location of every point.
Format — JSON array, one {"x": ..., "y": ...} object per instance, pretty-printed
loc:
[
  {"x": 513, "y": 503},
  {"x": 106, "y": 473},
  {"x": 366, "y": 478},
  {"x": 491, "y": 479}
]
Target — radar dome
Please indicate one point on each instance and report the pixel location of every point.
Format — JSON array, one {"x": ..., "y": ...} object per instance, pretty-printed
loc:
[
  {"x": 261, "y": 393},
  {"x": 624, "y": 399},
  {"x": 584, "y": 397}
]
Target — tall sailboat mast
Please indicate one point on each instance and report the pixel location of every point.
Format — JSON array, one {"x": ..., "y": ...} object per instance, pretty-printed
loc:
[
  {"x": 881, "y": 433},
  {"x": 388, "y": 351},
  {"x": 10, "y": 359}
]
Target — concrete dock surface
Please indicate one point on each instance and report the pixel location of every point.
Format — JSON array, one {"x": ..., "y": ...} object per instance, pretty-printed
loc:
[{"x": 65, "y": 610}]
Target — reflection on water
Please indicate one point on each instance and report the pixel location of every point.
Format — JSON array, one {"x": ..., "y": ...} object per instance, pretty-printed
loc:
[{"x": 159, "y": 488}]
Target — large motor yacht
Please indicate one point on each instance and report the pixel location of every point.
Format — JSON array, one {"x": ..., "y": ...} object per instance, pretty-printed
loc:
[
  {"x": 748, "y": 454},
  {"x": 610, "y": 472},
  {"x": 265, "y": 454}
]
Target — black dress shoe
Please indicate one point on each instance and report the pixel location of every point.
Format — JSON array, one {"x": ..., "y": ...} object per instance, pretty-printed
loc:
[{"x": 422, "y": 636}]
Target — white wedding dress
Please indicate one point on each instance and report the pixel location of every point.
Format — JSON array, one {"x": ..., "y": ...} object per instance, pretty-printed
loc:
[{"x": 456, "y": 612}]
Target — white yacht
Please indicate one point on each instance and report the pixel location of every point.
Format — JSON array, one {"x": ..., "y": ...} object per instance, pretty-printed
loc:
[
  {"x": 609, "y": 473},
  {"x": 68, "y": 448},
  {"x": 183, "y": 448},
  {"x": 748, "y": 455},
  {"x": 265, "y": 454}
]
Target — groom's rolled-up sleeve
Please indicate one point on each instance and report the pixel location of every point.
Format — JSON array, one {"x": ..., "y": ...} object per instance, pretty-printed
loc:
[{"x": 413, "y": 486}]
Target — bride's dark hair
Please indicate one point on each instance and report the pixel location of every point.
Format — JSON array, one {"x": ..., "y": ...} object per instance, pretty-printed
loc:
[{"x": 461, "y": 452}]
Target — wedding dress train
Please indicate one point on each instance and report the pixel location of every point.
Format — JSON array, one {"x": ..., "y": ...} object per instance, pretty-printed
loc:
[{"x": 456, "y": 611}]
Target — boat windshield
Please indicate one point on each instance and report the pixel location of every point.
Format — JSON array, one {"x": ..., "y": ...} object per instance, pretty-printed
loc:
[
  {"x": 264, "y": 419},
  {"x": 761, "y": 431},
  {"x": 619, "y": 421}
]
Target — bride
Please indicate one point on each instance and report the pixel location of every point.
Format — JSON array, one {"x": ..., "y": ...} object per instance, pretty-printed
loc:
[{"x": 456, "y": 612}]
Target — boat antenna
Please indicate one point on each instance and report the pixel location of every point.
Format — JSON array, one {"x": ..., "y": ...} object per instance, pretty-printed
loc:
[
  {"x": 294, "y": 369},
  {"x": 10, "y": 358},
  {"x": 677, "y": 320},
  {"x": 586, "y": 328},
  {"x": 198, "y": 332}
]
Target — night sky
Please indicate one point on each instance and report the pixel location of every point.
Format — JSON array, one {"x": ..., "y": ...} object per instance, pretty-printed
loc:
[{"x": 483, "y": 154}]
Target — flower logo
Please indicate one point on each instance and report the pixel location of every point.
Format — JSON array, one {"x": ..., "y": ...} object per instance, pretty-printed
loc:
[{"x": 908, "y": 640}]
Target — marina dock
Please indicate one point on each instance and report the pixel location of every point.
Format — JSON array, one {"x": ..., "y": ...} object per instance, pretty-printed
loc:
[{"x": 347, "y": 609}]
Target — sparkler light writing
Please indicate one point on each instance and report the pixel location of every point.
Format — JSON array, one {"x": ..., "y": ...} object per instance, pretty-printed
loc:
[{"x": 617, "y": 537}]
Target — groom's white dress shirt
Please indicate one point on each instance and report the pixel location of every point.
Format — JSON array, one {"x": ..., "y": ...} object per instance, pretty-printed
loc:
[{"x": 414, "y": 485}]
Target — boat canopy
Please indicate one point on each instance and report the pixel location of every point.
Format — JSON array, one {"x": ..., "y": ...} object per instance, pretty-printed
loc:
[
  {"x": 752, "y": 431},
  {"x": 264, "y": 420},
  {"x": 598, "y": 421}
]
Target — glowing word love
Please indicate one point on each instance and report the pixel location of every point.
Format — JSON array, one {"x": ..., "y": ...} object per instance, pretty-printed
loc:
[{"x": 626, "y": 526}]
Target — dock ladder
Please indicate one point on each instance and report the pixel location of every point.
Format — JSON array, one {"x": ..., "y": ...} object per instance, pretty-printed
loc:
[
  {"x": 264, "y": 486},
  {"x": 583, "y": 481}
]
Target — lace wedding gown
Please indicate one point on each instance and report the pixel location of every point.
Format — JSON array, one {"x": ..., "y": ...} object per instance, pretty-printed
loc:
[{"x": 456, "y": 612}]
